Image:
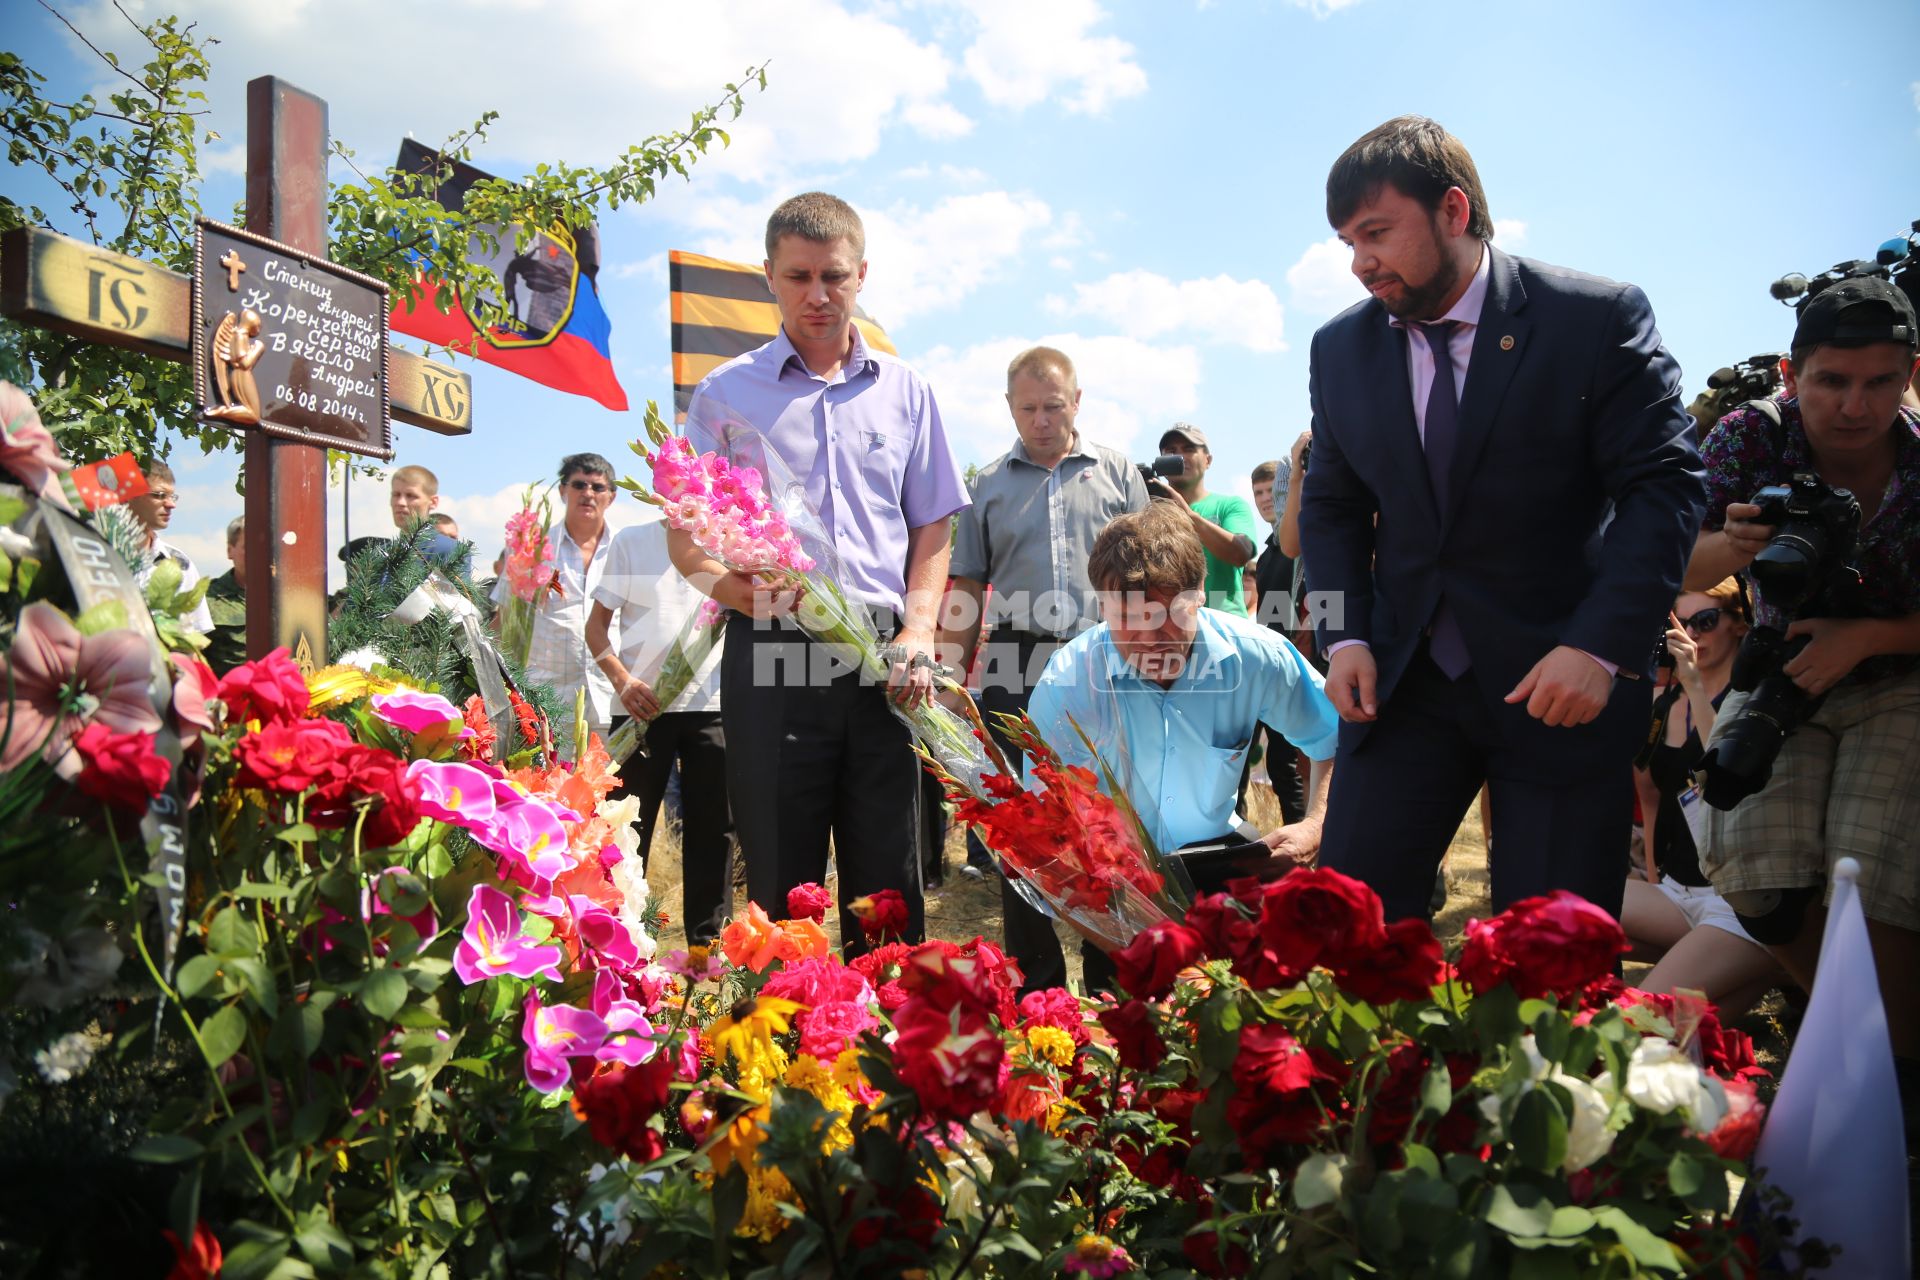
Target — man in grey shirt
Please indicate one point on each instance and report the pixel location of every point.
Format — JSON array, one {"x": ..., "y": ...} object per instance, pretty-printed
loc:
[{"x": 1036, "y": 512}]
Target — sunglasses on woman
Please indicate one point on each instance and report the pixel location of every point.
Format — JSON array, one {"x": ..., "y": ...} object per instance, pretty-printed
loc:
[{"x": 1702, "y": 622}]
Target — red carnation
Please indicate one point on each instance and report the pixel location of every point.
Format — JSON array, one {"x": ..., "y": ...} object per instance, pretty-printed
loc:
[
  {"x": 618, "y": 1102},
  {"x": 1135, "y": 1037},
  {"x": 291, "y": 756},
  {"x": 269, "y": 689},
  {"x": 121, "y": 768},
  {"x": 1147, "y": 966},
  {"x": 882, "y": 916},
  {"x": 1405, "y": 965},
  {"x": 953, "y": 1059},
  {"x": 809, "y": 901},
  {"x": 1555, "y": 945}
]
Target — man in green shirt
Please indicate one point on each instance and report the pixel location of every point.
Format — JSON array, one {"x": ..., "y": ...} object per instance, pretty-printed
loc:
[
  {"x": 227, "y": 603},
  {"x": 1223, "y": 522}
]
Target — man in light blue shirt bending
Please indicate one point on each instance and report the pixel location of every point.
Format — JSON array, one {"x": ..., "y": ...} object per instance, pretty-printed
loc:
[{"x": 1170, "y": 693}]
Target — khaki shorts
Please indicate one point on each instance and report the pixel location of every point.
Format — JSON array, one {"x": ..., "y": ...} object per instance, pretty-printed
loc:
[{"x": 1846, "y": 784}]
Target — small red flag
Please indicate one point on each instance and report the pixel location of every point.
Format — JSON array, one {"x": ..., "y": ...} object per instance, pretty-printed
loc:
[{"x": 104, "y": 484}]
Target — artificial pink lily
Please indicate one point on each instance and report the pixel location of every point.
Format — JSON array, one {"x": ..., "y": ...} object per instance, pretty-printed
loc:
[
  {"x": 492, "y": 943},
  {"x": 61, "y": 681}
]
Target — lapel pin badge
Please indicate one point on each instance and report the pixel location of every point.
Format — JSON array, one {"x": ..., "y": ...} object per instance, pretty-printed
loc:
[{"x": 1506, "y": 342}]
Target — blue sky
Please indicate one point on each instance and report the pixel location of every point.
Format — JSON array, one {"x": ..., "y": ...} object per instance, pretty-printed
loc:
[{"x": 1140, "y": 183}]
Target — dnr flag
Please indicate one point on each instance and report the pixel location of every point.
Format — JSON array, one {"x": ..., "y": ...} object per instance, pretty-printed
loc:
[
  {"x": 557, "y": 333},
  {"x": 722, "y": 310}
]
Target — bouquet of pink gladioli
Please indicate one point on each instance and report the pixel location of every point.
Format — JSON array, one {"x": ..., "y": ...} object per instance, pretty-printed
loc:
[
  {"x": 730, "y": 513},
  {"x": 529, "y": 573}
]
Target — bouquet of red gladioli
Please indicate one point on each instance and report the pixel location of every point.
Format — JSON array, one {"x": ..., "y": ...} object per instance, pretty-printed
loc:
[{"x": 1076, "y": 850}]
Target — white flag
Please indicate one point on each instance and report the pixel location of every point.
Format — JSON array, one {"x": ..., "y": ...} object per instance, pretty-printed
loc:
[{"x": 1834, "y": 1140}]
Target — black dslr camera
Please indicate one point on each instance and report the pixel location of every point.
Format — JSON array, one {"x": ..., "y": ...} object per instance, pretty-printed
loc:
[
  {"x": 1164, "y": 467},
  {"x": 1805, "y": 571}
]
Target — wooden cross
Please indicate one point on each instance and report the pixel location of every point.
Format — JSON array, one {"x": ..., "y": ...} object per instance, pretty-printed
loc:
[
  {"x": 73, "y": 287},
  {"x": 234, "y": 267}
]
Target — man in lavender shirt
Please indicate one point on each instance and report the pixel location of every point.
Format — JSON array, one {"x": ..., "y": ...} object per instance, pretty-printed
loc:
[{"x": 813, "y": 751}]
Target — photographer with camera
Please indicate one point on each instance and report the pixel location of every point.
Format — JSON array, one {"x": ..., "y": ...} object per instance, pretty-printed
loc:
[
  {"x": 1672, "y": 915},
  {"x": 1817, "y": 754},
  {"x": 1222, "y": 522}
]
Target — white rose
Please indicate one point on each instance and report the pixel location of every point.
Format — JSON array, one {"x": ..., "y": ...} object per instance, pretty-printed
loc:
[
  {"x": 1663, "y": 1080},
  {"x": 1588, "y": 1137}
]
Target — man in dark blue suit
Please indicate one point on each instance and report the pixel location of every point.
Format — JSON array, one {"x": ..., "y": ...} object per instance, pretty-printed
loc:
[{"x": 1499, "y": 532}]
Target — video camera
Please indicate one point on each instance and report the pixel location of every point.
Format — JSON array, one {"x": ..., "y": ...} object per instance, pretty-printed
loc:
[
  {"x": 1165, "y": 467},
  {"x": 1897, "y": 260},
  {"x": 1754, "y": 378},
  {"x": 1805, "y": 571}
]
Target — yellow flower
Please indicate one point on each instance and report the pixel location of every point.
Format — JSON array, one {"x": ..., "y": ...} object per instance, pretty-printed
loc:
[
  {"x": 1051, "y": 1044},
  {"x": 738, "y": 1139},
  {"x": 809, "y": 1075},
  {"x": 767, "y": 1189},
  {"x": 846, "y": 1071},
  {"x": 752, "y": 1024}
]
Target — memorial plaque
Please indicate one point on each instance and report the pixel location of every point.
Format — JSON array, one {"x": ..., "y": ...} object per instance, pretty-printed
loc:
[{"x": 287, "y": 343}]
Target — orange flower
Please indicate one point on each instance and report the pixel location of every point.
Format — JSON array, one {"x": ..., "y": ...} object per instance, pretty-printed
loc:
[
  {"x": 751, "y": 942},
  {"x": 801, "y": 939}
]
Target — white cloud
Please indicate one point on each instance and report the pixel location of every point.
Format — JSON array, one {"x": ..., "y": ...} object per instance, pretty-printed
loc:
[
  {"x": 1323, "y": 8},
  {"x": 1509, "y": 233},
  {"x": 1142, "y": 304},
  {"x": 1131, "y": 389},
  {"x": 925, "y": 259},
  {"x": 1322, "y": 282},
  {"x": 630, "y": 70},
  {"x": 1025, "y": 53},
  {"x": 940, "y": 121},
  {"x": 1915, "y": 87},
  {"x": 229, "y": 160}
]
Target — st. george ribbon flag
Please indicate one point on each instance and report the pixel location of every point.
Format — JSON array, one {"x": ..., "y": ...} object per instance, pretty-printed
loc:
[
  {"x": 1833, "y": 1140},
  {"x": 559, "y": 333},
  {"x": 723, "y": 309}
]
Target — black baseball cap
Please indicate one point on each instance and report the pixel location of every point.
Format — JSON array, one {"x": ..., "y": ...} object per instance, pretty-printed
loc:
[{"x": 1858, "y": 311}]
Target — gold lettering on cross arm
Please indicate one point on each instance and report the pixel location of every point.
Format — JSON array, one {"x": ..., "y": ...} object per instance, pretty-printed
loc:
[{"x": 234, "y": 267}]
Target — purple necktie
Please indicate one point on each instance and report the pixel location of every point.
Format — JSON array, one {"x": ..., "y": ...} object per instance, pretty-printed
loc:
[{"x": 1442, "y": 428}]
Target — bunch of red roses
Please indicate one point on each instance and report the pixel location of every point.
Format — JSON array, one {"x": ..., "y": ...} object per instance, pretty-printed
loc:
[
  {"x": 1275, "y": 932},
  {"x": 949, "y": 1049},
  {"x": 291, "y": 754}
]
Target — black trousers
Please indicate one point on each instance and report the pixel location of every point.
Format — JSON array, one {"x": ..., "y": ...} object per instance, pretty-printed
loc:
[
  {"x": 1009, "y": 667},
  {"x": 696, "y": 741},
  {"x": 1281, "y": 776},
  {"x": 815, "y": 754},
  {"x": 1398, "y": 798}
]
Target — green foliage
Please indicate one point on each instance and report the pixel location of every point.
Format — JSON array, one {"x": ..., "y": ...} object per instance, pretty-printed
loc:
[{"x": 128, "y": 170}]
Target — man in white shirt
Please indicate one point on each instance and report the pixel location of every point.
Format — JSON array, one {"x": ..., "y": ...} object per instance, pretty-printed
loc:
[
  {"x": 154, "y": 510},
  {"x": 653, "y": 604},
  {"x": 558, "y": 656}
]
